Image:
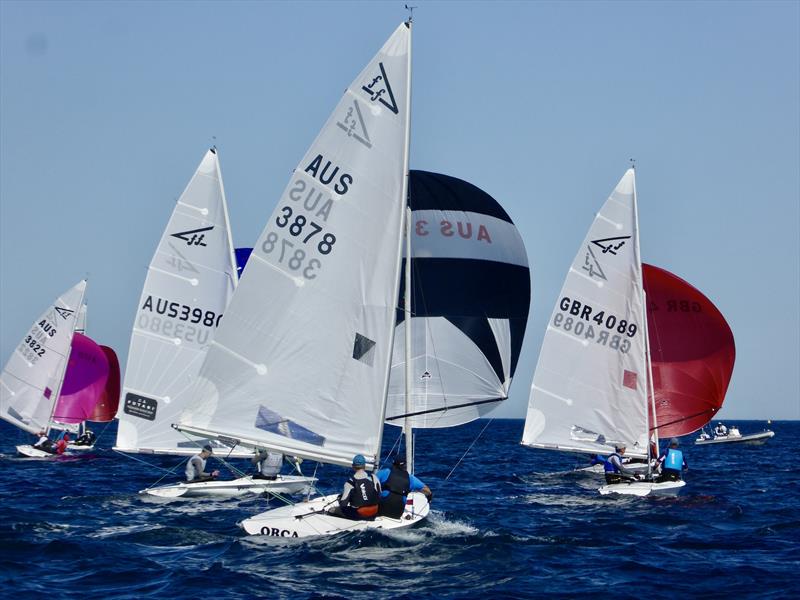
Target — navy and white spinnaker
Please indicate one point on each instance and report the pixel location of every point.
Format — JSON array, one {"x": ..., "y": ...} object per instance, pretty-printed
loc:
[{"x": 471, "y": 291}]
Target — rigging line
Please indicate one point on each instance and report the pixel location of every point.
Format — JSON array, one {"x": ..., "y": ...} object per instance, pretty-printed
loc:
[
  {"x": 468, "y": 449},
  {"x": 686, "y": 418},
  {"x": 395, "y": 445},
  {"x": 445, "y": 408},
  {"x": 224, "y": 461},
  {"x": 152, "y": 466}
]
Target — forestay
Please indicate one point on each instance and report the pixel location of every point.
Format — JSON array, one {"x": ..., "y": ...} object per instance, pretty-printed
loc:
[
  {"x": 588, "y": 391},
  {"x": 470, "y": 301},
  {"x": 31, "y": 380},
  {"x": 300, "y": 363},
  {"x": 188, "y": 286}
]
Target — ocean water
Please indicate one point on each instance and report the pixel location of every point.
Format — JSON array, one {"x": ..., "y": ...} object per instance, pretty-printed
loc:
[{"x": 509, "y": 522}]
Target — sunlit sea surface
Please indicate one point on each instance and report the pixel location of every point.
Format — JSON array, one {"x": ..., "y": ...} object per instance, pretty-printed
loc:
[{"x": 510, "y": 522}]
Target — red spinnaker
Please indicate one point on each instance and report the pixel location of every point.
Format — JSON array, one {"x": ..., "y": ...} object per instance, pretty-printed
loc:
[{"x": 692, "y": 353}]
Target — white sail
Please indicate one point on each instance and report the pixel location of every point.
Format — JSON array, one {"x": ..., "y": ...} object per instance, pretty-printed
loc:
[
  {"x": 588, "y": 391},
  {"x": 188, "y": 286},
  {"x": 80, "y": 324},
  {"x": 32, "y": 377},
  {"x": 300, "y": 364}
]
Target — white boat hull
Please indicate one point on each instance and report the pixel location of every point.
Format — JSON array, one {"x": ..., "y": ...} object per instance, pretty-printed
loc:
[
  {"x": 283, "y": 484},
  {"x": 307, "y": 519},
  {"x": 643, "y": 488},
  {"x": 753, "y": 438},
  {"x": 73, "y": 447},
  {"x": 30, "y": 452}
]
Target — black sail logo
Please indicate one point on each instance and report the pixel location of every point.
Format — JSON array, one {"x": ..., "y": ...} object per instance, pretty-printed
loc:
[
  {"x": 380, "y": 90},
  {"x": 193, "y": 237},
  {"x": 611, "y": 245}
]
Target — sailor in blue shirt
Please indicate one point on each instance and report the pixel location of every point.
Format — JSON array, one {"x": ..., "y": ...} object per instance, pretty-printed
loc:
[
  {"x": 672, "y": 463},
  {"x": 396, "y": 483}
]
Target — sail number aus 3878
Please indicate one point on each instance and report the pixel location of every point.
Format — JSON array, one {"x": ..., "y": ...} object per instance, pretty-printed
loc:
[{"x": 305, "y": 236}]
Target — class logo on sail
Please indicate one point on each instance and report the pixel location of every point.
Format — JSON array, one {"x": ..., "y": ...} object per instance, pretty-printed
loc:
[
  {"x": 610, "y": 245},
  {"x": 65, "y": 313},
  {"x": 353, "y": 124},
  {"x": 193, "y": 237},
  {"x": 380, "y": 90}
]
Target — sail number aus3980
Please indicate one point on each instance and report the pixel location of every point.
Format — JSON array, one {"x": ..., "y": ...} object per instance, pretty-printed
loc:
[{"x": 306, "y": 233}]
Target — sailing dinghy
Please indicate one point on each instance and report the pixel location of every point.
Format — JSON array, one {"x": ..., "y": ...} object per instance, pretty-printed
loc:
[
  {"x": 189, "y": 283},
  {"x": 31, "y": 382},
  {"x": 307, "y": 373},
  {"x": 589, "y": 391}
]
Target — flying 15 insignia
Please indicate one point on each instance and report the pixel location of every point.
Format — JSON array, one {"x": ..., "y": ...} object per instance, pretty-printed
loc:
[
  {"x": 193, "y": 237},
  {"x": 379, "y": 89},
  {"x": 611, "y": 245}
]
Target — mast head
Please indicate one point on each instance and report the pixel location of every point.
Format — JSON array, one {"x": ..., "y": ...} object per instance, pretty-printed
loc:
[{"x": 410, "y": 10}]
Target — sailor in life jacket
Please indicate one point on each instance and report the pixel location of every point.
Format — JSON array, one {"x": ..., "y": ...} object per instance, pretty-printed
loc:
[
  {"x": 615, "y": 471},
  {"x": 672, "y": 463},
  {"x": 196, "y": 466},
  {"x": 44, "y": 443},
  {"x": 396, "y": 483},
  {"x": 268, "y": 464},
  {"x": 359, "y": 499}
]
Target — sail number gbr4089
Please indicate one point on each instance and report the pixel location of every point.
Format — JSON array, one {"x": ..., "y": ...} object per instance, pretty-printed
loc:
[{"x": 605, "y": 328}]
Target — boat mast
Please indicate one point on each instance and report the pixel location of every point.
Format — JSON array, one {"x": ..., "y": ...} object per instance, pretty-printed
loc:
[
  {"x": 407, "y": 428},
  {"x": 235, "y": 272},
  {"x": 649, "y": 392},
  {"x": 57, "y": 391}
]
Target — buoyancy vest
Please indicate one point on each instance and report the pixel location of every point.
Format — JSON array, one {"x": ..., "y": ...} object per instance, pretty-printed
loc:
[
  {"x": 193, "y": 469},
  {"x": 398, "y": 484},
  {"x": 673, "y": 459},
  {"x": 610, "y": 467},
  {"x": 363, "y": 492}
]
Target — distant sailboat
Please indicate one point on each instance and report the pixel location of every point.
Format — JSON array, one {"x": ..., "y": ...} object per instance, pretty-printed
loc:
[
  {"x": 189, "y": 283},
  {"x": 589, "y": 391},
  {"x": 307, "y": 373},
  {"x": 31, "y": 382}
]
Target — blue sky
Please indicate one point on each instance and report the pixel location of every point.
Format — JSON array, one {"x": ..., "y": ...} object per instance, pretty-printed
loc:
[{"x": 106, "y": 108}]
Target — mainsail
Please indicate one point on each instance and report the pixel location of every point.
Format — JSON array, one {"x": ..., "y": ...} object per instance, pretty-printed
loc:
[
  {"x": 692, "y": 353},
  {"x": 470, "y": 301},
  {"x": 589, "y": 388},
  {"x": 300, "y": 363},
  {"x": 32, "y": 378},
  {"x": 188, "y": 286}
]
